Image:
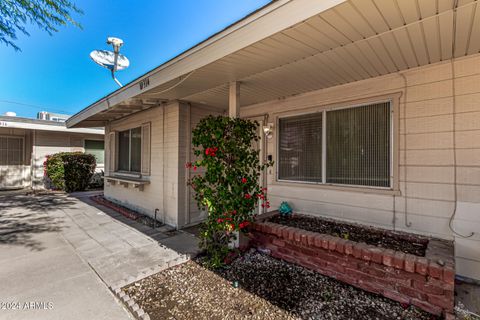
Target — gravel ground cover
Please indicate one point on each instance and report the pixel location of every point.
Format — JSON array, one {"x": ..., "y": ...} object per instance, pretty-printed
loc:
[
  {"x": 357, "y": 233},
  {"x": 267, "y": 289}
]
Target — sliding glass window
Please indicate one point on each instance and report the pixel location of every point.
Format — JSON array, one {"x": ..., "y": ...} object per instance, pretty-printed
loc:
[{"x": 356, "y": 146}]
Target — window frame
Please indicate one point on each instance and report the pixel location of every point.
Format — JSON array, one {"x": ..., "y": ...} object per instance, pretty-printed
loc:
[
  {"x": 393, "y": 99},
  {"x": 100, "y": 165},
  {"x": 117, "y": 151},
  {"x": 22, "y": 149}
]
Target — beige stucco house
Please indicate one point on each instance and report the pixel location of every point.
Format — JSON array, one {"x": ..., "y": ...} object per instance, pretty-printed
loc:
[
  {"x": 372, "y": 109},
  {"x": 25, "y": 143}
]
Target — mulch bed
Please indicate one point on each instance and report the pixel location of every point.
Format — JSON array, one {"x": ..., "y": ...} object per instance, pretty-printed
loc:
[
  {"x": 369, "y": 235},
  {"x": 267, "y": 289}
]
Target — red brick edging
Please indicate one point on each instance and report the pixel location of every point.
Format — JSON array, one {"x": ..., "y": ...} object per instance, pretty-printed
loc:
[
  {"x": 426, "y": 282},
  {"x": 109, "y": 204}
]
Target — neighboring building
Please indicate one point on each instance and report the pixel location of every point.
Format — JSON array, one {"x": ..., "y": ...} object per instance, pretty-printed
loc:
[
  {"x": 25, "y": 143},
  {"x": 374, "y": 110}
]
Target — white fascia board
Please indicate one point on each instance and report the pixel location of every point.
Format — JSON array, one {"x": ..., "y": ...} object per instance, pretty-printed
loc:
[
  {"x": 274, "y": 18},
  {"x": 46, "y": 127}
]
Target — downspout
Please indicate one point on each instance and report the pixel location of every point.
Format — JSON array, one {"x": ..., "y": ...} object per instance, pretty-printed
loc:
[
  {"x": 163, "y": 162},
  {"x": 455, "y": 193},
  {"x": 408, "y": 224},
  {"x": 33, "y": 157},
  {"x": 265, "y": 157}
]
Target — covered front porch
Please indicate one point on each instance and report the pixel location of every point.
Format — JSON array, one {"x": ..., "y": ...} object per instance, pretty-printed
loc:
[{"x": 296, "y": 60}]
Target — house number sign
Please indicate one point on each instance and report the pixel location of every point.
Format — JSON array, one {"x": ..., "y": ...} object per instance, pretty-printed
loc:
[{"x": 144, "y": 83}]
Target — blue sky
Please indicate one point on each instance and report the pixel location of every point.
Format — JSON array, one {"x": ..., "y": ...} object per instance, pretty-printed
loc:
[{"x": 56, "y": 73}]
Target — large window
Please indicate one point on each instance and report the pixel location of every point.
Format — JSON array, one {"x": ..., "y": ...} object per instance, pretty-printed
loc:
[
  {"x": 96, "y": 148},
  {"x": 129, "y": 150},
  {"x": 356, "y": 148},
  {"x": 11, "y": 151}
]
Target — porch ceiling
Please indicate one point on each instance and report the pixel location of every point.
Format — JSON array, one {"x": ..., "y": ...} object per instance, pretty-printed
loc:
[{"x": 354, "y": 40}]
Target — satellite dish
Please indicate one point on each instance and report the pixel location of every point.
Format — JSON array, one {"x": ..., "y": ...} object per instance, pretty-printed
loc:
[
  {"x": 106, "y": 59},
  {"x": 112, "y": 61}
]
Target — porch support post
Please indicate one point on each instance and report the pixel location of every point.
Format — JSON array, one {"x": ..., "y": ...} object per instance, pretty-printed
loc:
[{"x": 234, "y": 100}]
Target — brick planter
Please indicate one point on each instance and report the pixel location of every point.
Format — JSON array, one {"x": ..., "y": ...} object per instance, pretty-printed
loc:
[{"x": 426, "y": 282}]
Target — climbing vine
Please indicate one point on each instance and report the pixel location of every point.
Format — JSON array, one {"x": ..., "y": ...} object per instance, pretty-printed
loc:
[{"x": 226, "y": 184}]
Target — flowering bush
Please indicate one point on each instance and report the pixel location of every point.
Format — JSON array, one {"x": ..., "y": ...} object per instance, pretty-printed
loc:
[{"x": 229, "y": 188}]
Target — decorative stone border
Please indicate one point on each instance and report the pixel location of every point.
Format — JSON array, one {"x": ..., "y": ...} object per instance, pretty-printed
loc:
[
  {"x": 133, "y": 307},
  {"x": 426, "y": 282},
  {"x": 128, "y": 301}
]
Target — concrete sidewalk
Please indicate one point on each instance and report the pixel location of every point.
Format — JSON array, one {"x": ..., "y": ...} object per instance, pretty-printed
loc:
[
  {"x": 64, "y": 252},
  {"x": 38, "y": 266}
]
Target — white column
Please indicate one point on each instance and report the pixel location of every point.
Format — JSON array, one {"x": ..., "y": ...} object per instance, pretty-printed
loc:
[{"x": 234, "y": 100}]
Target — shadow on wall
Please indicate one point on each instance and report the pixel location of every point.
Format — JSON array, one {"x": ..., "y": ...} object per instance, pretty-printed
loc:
[{"x": 23, "y": 217}]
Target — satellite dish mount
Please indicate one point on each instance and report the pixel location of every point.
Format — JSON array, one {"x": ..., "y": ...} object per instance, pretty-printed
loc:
[{"x": 112, "y": 61}]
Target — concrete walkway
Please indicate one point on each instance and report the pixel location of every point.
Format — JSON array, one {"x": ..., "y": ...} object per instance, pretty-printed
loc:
[{"x": 63, "y": 253}]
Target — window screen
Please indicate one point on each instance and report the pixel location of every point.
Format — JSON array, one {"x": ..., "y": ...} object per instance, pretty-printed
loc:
[
  {"x": 124, "y": 150},
  {"x": 358, "y": 145},
  {"x": 11, "y": 151},
  {"x": 130, "y": 150},
  {"x": 136, "y": 149},
  {"x": 96, "y": 148},
  {"x": 300, "y": 148}
]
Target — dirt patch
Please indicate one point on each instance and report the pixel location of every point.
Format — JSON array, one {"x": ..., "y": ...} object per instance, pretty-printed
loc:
[
  {"x": 267, "y": 289},
  {"x": 369, "y": 235}
]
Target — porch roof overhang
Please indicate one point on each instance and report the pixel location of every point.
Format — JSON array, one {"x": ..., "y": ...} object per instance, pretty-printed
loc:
[{"x": 294, "y": 46}]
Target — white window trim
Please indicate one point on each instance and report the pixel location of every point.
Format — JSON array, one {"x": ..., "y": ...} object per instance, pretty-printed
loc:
[{"x": 324, "y": 110}]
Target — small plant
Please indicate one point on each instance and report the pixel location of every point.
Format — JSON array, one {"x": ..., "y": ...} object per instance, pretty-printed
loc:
[
  {"x": 229, "y": 188},
  {"x": 70, "y": 171},
  {"x": 327, "y": 295}
]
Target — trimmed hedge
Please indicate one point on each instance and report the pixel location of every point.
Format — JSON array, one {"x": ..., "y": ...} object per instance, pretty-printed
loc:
[{"x": 70, "y": 171}]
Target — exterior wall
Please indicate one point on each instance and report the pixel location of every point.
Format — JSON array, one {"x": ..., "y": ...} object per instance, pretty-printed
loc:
[
  {"x": 171, "y": 127},
  {"x": 431, "y": 100},
  {"x": 49, "y": 142},
  {"x": 152, "y": 197}
]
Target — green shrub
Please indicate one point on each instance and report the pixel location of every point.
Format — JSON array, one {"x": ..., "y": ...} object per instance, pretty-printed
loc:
[
  {"x": 70, "y": 171},
  {"x": 229, "y": 188}
]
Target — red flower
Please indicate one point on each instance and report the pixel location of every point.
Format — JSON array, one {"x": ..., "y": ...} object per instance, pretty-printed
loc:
[
  {"x": 219, "y": 220},
  {"x": 243, "y": 224},
  {"x": 188, "y": 165},
  {"x": 194, "y": 168},
  {"x": 211, "y": 151},
  {"x": 244, "y": 180},
  {"x": 248, "y": 196},
  {"x": 234, "y": 212}
]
